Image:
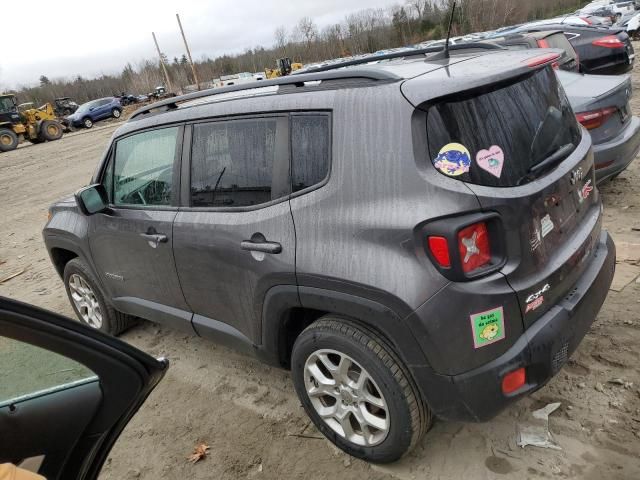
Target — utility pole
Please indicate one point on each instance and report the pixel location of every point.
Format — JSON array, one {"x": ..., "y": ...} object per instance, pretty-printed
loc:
[
  {"x": 186, "y": 45},
  {"x": 164, "y": 67}
]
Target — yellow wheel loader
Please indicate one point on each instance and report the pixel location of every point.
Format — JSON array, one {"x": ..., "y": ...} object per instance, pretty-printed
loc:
[
  {"x": 26, "y": 123},
  {"x": 283, "y": 68}
]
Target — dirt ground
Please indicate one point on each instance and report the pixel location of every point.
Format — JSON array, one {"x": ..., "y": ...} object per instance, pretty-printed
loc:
[{"x": 248, "y": 413}]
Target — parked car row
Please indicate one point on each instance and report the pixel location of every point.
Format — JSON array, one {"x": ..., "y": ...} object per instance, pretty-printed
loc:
[{"x": 600, "y": 102}]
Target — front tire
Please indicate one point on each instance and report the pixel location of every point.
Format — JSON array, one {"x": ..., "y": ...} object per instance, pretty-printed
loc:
[
  {"x": 50, "y": 131},
  {"x": 357, "y": 391},
  {"x": 88, "y": 301},
  {"x": 8, "y": 140},
  {"x": 87, "y": 122},
  {"x": 116, "y": 112}
]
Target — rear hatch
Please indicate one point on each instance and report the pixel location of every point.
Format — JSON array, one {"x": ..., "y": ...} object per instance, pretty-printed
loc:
[
  {"x": 601, "y": 103},
  {"x": 531, "y": 163}
]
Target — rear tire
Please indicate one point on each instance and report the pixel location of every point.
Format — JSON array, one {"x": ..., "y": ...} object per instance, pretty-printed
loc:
[
  {"x": 87, "y": 122},
  {"x": 88, "y": 301},
  {"x": 50, "y": 130},
  {"x": 8, "y": 140},
  {"x": 368, "y": 406},
  {"x": 116, "y": 112}
]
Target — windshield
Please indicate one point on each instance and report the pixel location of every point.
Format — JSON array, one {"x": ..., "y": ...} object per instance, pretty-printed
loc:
[
  {"x": 86, "y": 106},
  {"x": 6, "y": 104},
  {"x": 503, "y": 133}
]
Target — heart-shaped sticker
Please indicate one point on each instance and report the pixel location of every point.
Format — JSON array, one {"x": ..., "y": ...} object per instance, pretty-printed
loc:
[{"x": 491, "y": 160}]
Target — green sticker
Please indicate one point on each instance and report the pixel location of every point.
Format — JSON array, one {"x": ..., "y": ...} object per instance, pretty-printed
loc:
[{"x": 488, "y": 327}]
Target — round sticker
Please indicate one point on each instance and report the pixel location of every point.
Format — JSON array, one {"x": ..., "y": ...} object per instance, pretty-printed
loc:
[{"x": 453, "y": 160}]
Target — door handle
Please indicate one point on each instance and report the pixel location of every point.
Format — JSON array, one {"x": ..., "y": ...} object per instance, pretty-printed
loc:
[
  {"x": 264, "y": 247},
  {"x": 154, "y": 239}
]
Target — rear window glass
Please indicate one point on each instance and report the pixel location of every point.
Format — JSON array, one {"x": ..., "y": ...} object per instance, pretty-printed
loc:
[
  {"x": 558, "y": 40},
  {"x": 495, "y": 137}
]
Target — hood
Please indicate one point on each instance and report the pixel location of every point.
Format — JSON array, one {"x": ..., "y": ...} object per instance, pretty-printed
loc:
[{"x": 584, "y": 90}]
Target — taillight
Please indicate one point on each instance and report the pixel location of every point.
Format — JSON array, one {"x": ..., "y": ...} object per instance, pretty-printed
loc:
[
  {"x": 542, "y": 43},
  {"x": 610, "y": 41},
  {"x": 514, "y": 381},
  {"x": 541, "y": 60},
  {"x": 473, "y": 244},
  {"x": 585, "y": 19},
  {"x": 440, "y": 251},
  {"x": 595, "y": 118}
]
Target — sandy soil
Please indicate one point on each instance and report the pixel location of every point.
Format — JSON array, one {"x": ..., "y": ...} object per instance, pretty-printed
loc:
[{"x": 248, "y": 413}]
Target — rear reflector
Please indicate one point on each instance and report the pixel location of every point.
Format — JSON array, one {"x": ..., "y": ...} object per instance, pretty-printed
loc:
[
  {"x": 603, "y": 165},
  {"x": 473, "y": 244},
  {"x": 514, "y": 381},
  {"x": 542, "y": 60},
  {"x": 610, "y": 41},
  {"x": 595, "y": 118},
  {"x": 440, "y": 250}
]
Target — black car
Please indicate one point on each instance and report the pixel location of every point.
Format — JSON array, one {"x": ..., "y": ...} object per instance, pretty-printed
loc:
[
  {"x": 545, "y": 39},
  {"x": 601, "y": 50}
]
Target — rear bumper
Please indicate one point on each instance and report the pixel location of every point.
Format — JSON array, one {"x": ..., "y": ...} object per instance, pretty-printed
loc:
[
  {"x": 542, "y": 350},
  {"x": 617, "y": 153}
]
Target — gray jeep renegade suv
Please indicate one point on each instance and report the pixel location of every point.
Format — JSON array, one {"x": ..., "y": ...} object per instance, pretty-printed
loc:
[{"x": 413, "y": 238}]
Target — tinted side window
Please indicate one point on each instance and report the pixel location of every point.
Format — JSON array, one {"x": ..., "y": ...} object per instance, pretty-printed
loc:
[
  {"x": 232, "y": 163},
  {"x": 310, "y": 143},
  {"x": 143, "y": 173}
]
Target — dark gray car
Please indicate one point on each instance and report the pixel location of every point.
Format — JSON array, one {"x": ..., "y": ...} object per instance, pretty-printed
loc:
[
  {"x": 601, "y": 104},
  {"x": 413, "y": 238}
]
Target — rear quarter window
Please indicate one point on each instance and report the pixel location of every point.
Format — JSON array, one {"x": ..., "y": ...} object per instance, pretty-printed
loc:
[{"x": 498, "y": 134}]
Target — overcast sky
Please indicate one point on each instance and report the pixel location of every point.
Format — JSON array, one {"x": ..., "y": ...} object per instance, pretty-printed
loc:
[{"x": 94, "y": 37}]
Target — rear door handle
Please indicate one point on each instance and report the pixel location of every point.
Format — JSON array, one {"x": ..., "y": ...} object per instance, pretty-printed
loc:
[
  {"x": 265, "y": 247},
  {"x": 154, "y": 239}
]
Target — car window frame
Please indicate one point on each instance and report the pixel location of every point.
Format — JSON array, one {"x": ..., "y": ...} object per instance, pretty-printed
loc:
[
  {"x": 177, "y": 169},
  {"x": 325, "y": 180},
  {"x": 281, "y": 173}
]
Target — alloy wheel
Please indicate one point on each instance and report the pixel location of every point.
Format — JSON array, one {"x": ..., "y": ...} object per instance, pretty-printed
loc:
[
  {"x": 346, "y": 397},
  {"x": 85, "y": 301}
]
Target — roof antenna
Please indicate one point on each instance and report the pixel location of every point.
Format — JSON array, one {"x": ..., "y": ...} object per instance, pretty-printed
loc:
[
  {"x": 446, "y": 44},
  {"x": 444, "y": 54}
]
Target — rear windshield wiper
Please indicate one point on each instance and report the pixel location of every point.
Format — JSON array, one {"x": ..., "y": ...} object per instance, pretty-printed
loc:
[{"x": 557, "y": 156}]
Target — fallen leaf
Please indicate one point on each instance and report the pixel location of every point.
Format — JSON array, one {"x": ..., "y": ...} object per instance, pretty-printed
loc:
[{"x": 199, "y": 452}]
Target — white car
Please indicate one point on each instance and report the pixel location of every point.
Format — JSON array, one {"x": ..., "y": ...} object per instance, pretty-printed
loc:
[{"x": 620, "y": 9}]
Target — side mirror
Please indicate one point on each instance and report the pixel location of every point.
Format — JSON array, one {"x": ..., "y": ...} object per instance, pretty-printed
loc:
[{"x": 92, "y": 199}]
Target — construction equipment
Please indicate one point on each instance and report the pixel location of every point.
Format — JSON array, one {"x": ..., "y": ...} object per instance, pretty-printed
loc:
[
  {"x": 159, "y": 93},
  {"x": 64, "y": 106},
  {"x": 283, "y": 68},
  {"x": 28, "y": 123}
]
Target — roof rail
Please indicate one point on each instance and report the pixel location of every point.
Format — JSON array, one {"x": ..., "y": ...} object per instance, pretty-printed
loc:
[
  {"x": 403, "y": 54},
  {"x": 298, "y": 80}
]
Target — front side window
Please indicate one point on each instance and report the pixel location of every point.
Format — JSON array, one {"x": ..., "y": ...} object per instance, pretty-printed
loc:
[
  {"x": 143, "y": 169},
  {"x": 232, "y": 163},
  {"x": 310, "y": 142}
]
